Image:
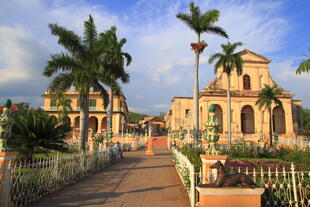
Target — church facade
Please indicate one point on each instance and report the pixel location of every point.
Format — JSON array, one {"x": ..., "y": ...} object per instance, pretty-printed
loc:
[{"x": 247, "y": 120}]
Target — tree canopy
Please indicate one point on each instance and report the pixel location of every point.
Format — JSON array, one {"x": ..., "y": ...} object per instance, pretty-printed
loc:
[
  {"x": 36, "y": 132},
  {"x": 202, "y": 22}
]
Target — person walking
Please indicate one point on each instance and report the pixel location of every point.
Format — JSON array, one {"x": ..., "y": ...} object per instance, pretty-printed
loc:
[{"x": 117, "y": 149}]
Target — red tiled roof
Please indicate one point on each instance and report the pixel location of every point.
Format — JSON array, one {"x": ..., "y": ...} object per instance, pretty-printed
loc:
[{"x": 13, "y": 108}]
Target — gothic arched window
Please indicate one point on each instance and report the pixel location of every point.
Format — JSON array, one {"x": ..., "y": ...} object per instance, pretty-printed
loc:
[{"x": 246, "y": 82}]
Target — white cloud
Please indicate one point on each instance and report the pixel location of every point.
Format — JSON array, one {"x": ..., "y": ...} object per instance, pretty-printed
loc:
[
  {"x": 137, "y": 110},
  {"x": 15, "y": 54},
  {"x": 161, "y": 106},
  {"x": 284, "y": 73}
]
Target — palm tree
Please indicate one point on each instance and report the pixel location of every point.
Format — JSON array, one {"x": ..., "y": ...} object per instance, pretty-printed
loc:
[
  {"x": 200, "y": 23},
  {"x": 267, "y": 96},
  {"x": 34, "y": 132},
  {"x": 304, "y": 66},
  {"x": 115, "y": 60},
  {"x": 63, "y": 105},
  {"x": 228, "y": 60},
  {"x": 79, "y": 67}
]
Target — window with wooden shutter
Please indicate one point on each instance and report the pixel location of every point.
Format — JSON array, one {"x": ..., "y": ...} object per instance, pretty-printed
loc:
[{"x": 246, "y": 82}]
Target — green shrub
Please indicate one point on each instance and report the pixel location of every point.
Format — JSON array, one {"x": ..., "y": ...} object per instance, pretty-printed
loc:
[
  {"x": 36, "y": 132},
  {"x": 193, "y": 154},
  {"x": 256, "y": 156}
]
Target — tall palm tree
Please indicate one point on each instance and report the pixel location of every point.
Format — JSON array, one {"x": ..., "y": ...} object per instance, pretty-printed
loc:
[
  {"x": 267, "y": 96},
  {"x": 63, "y": 105},
  {"x": 228, "y": 60},
  {"x": 79, "y": 67},
  {"x": 115, "y": 60},
  {"x": 304, "y": 66},
  {"x": 200, "y": 23}
]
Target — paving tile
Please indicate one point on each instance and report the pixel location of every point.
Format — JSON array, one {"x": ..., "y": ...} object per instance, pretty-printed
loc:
[{"x": 136, "y": 181}]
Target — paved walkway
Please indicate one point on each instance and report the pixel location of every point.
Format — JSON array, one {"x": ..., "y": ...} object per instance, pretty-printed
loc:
[{"x": 136, "y": 181}]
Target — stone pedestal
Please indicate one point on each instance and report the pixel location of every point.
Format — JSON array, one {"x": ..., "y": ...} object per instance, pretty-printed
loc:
[
  {"x": 209, "y": 175},
  {"x": 229, "y": 197},
  {"x": 6, "y": 159},
  {"x": 149, "y": 150}
]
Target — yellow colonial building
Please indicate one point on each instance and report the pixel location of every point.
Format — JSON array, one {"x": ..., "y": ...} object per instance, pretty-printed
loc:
[
  {"x": 247, "y": 120},
  {"x": 97, "y": 112}
]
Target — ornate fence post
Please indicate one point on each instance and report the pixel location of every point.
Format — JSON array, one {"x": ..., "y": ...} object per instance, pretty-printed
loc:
[
  {"x": 294, "y": 185},
  {"x": 7, "y": 157}
]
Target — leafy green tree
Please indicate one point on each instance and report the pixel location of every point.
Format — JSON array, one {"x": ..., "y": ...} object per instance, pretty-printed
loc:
[
  {"x": 80, "y": 67},
  {"x": 115, "y": 60},
  {"x": 266, "y": 97},
  {"x": 306, "y": 118},
  {"x": 36, "y": 132},
  {"x": 162, "y": 115},
  {"x": 200, "y": 23},
  {"x": 134, "y": 118},
  {"x": 304, "y": 66},
  {"x": 228, "y": 60},
  {"x": 22, "y": 105}
]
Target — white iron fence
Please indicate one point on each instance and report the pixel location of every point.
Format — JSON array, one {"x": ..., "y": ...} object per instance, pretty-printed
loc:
[
  {"x": 186, "y": 172},
  {"x": 283, "y": 187},
  {"x": 35, "y": 179},
  {"x": 294, "y": 142}
]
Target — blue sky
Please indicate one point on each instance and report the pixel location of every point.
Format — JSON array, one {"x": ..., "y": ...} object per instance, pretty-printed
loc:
[{"x": 159, "y": 43}]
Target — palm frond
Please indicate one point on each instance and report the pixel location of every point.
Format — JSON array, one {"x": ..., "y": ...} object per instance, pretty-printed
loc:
[
  {"x": 61, "y": 82},
  {"x": 216, "y": 30},
  {"x": 68, "y": 39},
  {"x": 303, "y": 67},
  {"x": 63, "y": 62},
  {"x": 214, "y": 57},
  {"x": 90, "y": 32}
]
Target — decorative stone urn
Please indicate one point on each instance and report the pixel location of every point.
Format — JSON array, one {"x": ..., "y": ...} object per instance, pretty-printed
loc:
[
  {"x": 211, "y": 133},
  {"x": 6, "y": 122}
]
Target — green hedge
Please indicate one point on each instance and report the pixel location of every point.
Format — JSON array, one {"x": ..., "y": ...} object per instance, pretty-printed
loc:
[{"x": 281, "y": 156}]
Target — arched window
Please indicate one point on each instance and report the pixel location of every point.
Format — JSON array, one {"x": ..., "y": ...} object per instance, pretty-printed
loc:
[
  {"x": 219, "y": 116},
  {"x": 278, "y": 116},
  {"x": 247, "y": 120},
  {"x": 246, "y": 82}
]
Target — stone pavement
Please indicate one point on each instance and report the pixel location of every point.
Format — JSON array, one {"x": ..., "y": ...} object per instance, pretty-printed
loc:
[{"x": 136, "y": 181}]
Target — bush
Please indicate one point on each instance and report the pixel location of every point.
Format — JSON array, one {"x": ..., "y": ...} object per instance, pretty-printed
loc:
[
  {"x": 36, "y": 132},
  {"x": 193, "y": 154},
  {"x": 253, "y": 156}
]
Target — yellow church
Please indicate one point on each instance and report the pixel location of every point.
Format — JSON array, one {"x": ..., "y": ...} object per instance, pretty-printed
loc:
[
  {"x": 97, "y": 112},
  {"x": 247, "y": 120}
]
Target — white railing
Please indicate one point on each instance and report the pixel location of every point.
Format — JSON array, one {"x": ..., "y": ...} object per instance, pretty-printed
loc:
[
  {"x": 34, "y": 179},
  {"x": 186, "y": 172},
  {"x": 294, "y": 142},
  {"x": 283, "y": 186}
]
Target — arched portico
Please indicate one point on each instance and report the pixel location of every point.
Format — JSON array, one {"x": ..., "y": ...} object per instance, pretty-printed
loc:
[
  {"x": 104, "y": 124},
  {"x": 93, "y": 123}
]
